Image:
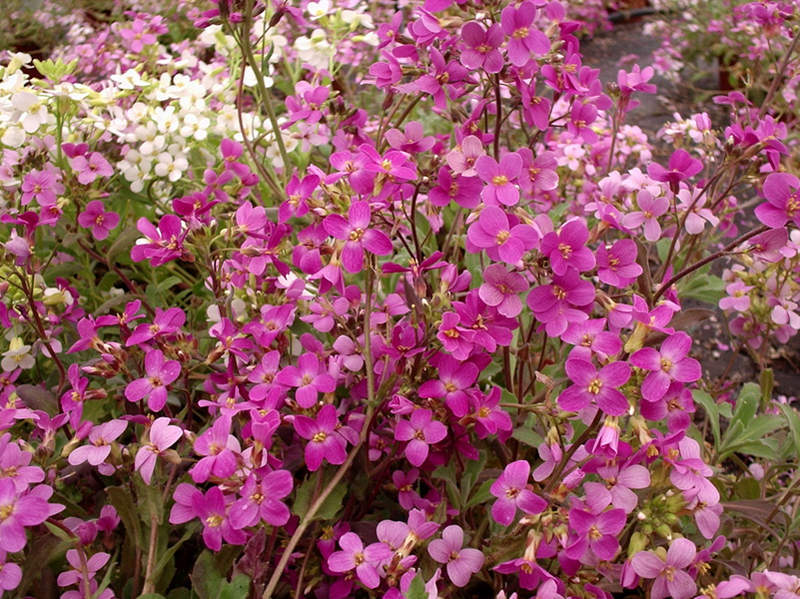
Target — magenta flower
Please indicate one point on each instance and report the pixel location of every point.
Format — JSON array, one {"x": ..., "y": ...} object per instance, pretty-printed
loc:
[
  {"x": 95, "y": 217},
  {"x": 562, "y": 302},
  {"x": 137, "y": 36},
  {"x": 501, "y": 289},
  {"x": 590, "y": 337},
  {"x": 219, "y": 450},
  {"x": 593, "y": 387},
  {"x": 165, "y": 322},
  {"x": 461, "y": 563},
  {"x": 617, "y": 266},
  {"x": 357, "y": 236},
  {"x": 464, "y": 191},
  {"x": 99, "y": 447},
  {"x": 411, "y": 139},
  {"x": 670, "y": 578},
  {"x": 18, "y": 511},
  {"x": 455, "y": 339},
  {"x": 525, "y": 40},
  {"x": 670, "y": 364},
  {"x": 681, "y": 166},
  {"x": 211, "y": 509},
  {"x": 160, "y": 373},
  {"x": 481, "y": 47},
  {"x": 89, "y": 169},
  {"x": 420, "y": 432},
  {"x": 160, "y": 245},
  {"x": 42, "y": 186},
  {"x": 365, "y": 560},
  {"x": 162, "y": 436},
  {"x": 324, "y": 440},
  {"x": 493, "y": 231},
  {"x": 783, "y": 201},
  {"x": 567, "y": 248},
  {"x": 310, "y": 378},
  {"x": 260, "y": 500},
  {"x": 10, "y": 574},
  {"x": 454, "y": 378},
  {"x": 597, "y": 533},
  {"x": 512, "y": 493},
  {"x": 650, "y": 209},
  {"x": 539, "y": 173},
  {"x": 499, "y": 178}
]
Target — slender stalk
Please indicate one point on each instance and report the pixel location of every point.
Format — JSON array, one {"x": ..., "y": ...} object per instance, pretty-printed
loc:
[
  {"x": 700, "y": 263},
  {"x": 149, "y": 583}
]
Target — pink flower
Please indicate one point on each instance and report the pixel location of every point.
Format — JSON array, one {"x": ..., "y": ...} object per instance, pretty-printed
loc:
[
  {"x": 595, "y": 532},
  {"x": 499, "y": 179},
  {"x": 411, "y": 140},
  {"x": 211, "y": 509},
  {"x": 19, "y": 511},
  {"x": 357, "y": 236},
  {"x": 420, "y": 432},
  {"x": 42, "y": 186},
  {"x": 650, "y": 209},
  {"x": 525, "y": 40},
  {"x": 567, "y": 248},
  {"x": 783, "y": 201},
  {"x": 463, "y": 157},
  {"x": 464, "y": 191},
  {"x": 561, "y": 303},
  {"x": 219, "y": 450},
  {"x": 455, "y": 377},
  {"x": 95, "y": 217},
  {"x": 670, "y": 364},
  {"x": 670, "y": 579},
  {"x": 325, "y": 443},
  {"x": 512, "y": 493},
  {"x": 501, "y": 289},
  {"x": 160, "y": 245},
  {"x": 461, "y": 563},
  {"x": 493, "y": 232},
  {"x": 162, "y": 436},
  {"x": 617, "y": 266},
  {"x": 365, "y": 560},
  {"x": 681, "y": 166},
  {"x": 481, "y": 47},
  {"x": 10, "y": 574},
  {"x": 737, "y": 298},
  {"x": 160, "y": 373},
  {"x": 260, "y": 500},
  {"x": 310, "y": 378},
  {"x": 89, "y": 169},
  {"x": 99, "y": 447},
  {"x": 593, "y": 387}
]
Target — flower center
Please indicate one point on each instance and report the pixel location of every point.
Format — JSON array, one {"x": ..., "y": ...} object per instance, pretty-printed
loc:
[
  {"x": 319, "y": 437},
  {"x": 499, "y": 180},
  {"x": 512, "y": 493},
  {"x": 559, "y": 292},
  {"x": 386, "y": 165},
  {"x": 356, "y": 234},
  {"x": 6, "y": 511},
  {"x": 595, "y": 386},
  {"x": 666, "y": 364},
  {"x": 521, "y": 33},
  {"x": 502, "y": 237},
  {"x": 214, "y": 521},
  {"x": 565, "y": 249},
  {"x": 669, "y": 573},
  {"x": 595, "y": 534}
]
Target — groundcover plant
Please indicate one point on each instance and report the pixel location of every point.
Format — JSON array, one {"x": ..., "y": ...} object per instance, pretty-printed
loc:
[{"x": 388, "y": 299}]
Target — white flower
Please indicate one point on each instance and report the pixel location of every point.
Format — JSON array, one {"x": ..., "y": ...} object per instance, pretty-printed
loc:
[
  {"x": 195, "y": 126},
  {"x": 317, "y": 10},
  {"x": 13, "y": 137},
  {"x": 17, "y": 356},
  {"x": 166, "y": 120},
  {"x": 171, "y": 166}
]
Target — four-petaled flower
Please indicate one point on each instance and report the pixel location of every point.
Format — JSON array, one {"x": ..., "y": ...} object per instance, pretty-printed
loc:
[
  {"x": 461, "y": 563},
  {"x": 357, "y": 236},
  {"x": 670, "y": 578},
  {"x": 511, "y": 491}
]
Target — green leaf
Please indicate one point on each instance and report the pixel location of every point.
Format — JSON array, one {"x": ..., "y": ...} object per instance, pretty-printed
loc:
[
  {"x": 711, "y": 409},
  {"x": 528, "y": 436},
  {"x": 328, "y": 509},
  {"x": 417, "y": 588},
  {"x": 481, "y": 495},
  {"x": 746, "y": 404},
  {"x": 123, "y": 503},
  {"x": 793, "y": 420},
  {"x": 471, "y": 473},
  {"x": 164, "y": 559},
  {"x": 237, "y": 588}
]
